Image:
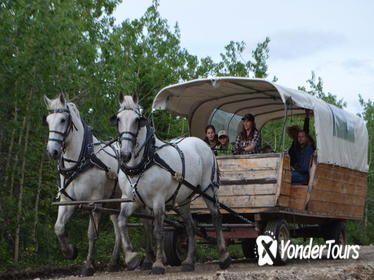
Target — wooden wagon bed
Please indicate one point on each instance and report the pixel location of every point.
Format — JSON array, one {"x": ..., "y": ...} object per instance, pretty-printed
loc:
[{"x": 261, "y": 184}]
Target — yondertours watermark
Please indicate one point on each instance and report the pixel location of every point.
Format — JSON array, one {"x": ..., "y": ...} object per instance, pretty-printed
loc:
[{"x": 268, "y": 248}]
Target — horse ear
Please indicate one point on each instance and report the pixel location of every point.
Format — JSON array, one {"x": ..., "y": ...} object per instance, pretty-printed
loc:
[
  {"x": 62, "y": 98},
  {"x": 121, "y": 98},
  {"x": 114, "y": 120},
  {"x": 135, "y": 98},
  {"x": 47, "y": 101}
]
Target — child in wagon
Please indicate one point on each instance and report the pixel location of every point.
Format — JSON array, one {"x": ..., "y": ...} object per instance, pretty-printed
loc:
[{"x": 224, "y": 147}]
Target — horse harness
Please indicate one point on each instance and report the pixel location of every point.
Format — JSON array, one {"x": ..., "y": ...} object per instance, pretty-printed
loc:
[
  {"x": 87, "y": 158},
  {"x": 69, "y": 126},
  {"x": 151, "y": 157}
]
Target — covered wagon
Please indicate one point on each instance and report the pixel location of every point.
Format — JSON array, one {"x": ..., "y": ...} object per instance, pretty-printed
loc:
[{"x": 258, "y": 186}]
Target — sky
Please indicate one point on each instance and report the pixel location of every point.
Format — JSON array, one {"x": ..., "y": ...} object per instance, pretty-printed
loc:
[{"x": 333, "y": 38}]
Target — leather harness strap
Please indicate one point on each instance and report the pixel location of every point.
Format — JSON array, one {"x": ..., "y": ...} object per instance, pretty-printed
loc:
[
  {"x": 150, "y": 158},
  {"x": 87, "y": 158}
]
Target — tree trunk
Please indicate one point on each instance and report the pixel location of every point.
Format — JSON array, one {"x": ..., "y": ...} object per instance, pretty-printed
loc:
[
  {"x": 20, "y": 196},
  {"x": 14, "y": 169},
  {"x": 10, "y": 151},
  {"x": 36, "y": 207}
]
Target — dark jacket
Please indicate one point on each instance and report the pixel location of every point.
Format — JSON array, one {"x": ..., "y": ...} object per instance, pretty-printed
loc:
[
  {"x": 302, "y": 160},
  {"x": 300, "y": 174},
  {"x": 294, "y": 149}
]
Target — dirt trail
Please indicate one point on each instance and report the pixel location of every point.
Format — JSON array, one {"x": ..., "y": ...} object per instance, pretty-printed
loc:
[{"x": 363, "y": 268}]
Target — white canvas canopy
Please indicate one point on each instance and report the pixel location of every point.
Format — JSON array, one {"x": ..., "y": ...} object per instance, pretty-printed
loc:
[{"x": 342, "y": 137}]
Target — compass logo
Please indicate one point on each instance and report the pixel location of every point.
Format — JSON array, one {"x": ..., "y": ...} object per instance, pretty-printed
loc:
[{"x": 267, "y": 249}]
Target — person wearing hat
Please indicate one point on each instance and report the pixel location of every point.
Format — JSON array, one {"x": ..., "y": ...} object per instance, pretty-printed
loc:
[
  {"x": 224, "y": 146},
  {"x": 249, "y": 139}
]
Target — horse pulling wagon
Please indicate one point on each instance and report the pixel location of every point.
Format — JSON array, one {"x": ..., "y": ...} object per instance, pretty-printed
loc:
[
  {"x": 258, "y": 186},
  {"x": 255, "y": 192}
]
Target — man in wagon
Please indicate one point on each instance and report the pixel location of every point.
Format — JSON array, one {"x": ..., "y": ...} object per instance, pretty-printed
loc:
[
  {"x": 300, "y": 168},
  {"x": 249, "y": 139}
]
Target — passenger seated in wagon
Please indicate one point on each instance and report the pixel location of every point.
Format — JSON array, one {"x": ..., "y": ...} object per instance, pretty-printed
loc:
[
  {"x": 293, "y": 132},
  {"x": 303, "y": 156},
  {"x": 224, "y": 147},
  {"x": 249, "y": 139},
  {"x": 211, "y": 137}
]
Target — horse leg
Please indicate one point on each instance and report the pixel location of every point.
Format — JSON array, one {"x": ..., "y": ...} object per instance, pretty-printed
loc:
[
  {"x": 149, "y": 254},
  {"x": 92, "y": 233},
  {"x": 132, "y": 259},
  {"x": 158, "y": 230},
  {"x": 114, "y": 264},
  {"x": 225, "y": 259},
  {"x": 64, "y": 214},
  {"x": 189, "y": 263}
]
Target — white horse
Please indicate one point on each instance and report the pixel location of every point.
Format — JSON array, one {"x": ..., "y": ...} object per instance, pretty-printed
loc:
[
  {"x": 151, "y": 184},
  {"x": 87, "y": 172}
]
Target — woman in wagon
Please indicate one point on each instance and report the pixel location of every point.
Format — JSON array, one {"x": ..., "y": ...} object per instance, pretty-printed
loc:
[
  {"x": 211, "y": 137},
  {"x": 249, "y": 139},
  {"x": 303, "y": 156},
  {"x": 224, "y": 147}
]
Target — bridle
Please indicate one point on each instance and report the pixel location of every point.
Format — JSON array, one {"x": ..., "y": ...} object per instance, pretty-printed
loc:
[
  {"x": 129, "y": 135},
  {"x": 70, "y": 125}
]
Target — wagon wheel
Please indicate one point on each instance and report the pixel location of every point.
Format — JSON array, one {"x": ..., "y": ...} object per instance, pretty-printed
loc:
[
  {"x": 334, "y": 231},
  {"x": 248, "y": 247},
  {"x": 176, "y": 247},
  {"x": 279, "y": 230}
]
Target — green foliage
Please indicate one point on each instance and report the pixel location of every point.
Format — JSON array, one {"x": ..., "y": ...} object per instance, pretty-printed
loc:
[
  {"x": 234, "y": 63},
  {"x": 315, "y": 87},
  {"x": 361, "y": 232},
  {"x": 72, "y": 46}
]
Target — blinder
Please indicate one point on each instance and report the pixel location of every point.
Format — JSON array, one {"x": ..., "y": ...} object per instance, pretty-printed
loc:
[
  {"x": 44, "y": 120},
  {"x": 113, "y": 120},
  {"x": 141, "y": 122},
  {"x": 69, "y": 125}
]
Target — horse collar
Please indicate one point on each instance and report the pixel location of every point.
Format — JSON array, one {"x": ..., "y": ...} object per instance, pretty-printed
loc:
[
  {"x": 148, "y": 155},
  {"x": 87, "y": 159}
]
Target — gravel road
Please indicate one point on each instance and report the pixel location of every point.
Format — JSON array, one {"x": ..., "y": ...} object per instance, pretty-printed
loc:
[{"x": 362, "y": 268}]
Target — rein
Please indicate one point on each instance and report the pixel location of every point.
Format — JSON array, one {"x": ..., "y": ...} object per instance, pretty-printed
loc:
[
  {"x": 87, "y": 157},
  {"x": 150, "y": 158}
]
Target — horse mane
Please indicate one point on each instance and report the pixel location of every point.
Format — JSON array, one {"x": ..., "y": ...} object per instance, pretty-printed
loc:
[
  {"x": 128, "y": 102},
  {"x": 73, "y": 108}
]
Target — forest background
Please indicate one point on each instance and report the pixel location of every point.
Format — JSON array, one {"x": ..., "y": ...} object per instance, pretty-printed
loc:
[{"x": 72, "y": 46}]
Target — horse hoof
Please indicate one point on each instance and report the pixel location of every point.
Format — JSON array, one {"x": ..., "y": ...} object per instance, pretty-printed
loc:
[
  {"x": 226, "y": 263},
  {"x": 146, "y": 266},
  {"x": 73, "y": 254},
  {"x": 134, "y": 262},
  {"x": 88, "y": 271},
  {"x": 114, "y": 267},
  {"x": 188, "y": 267},
  {"x": 158, "y": 270}
]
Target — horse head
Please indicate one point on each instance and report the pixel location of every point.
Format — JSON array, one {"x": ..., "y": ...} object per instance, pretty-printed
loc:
[
  {"x": 129, "y": 121},
  {"x": 60, "y": 123}
]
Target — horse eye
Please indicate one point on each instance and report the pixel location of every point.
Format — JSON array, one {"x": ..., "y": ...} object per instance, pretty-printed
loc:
[{"x": 62, "y": 120}]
